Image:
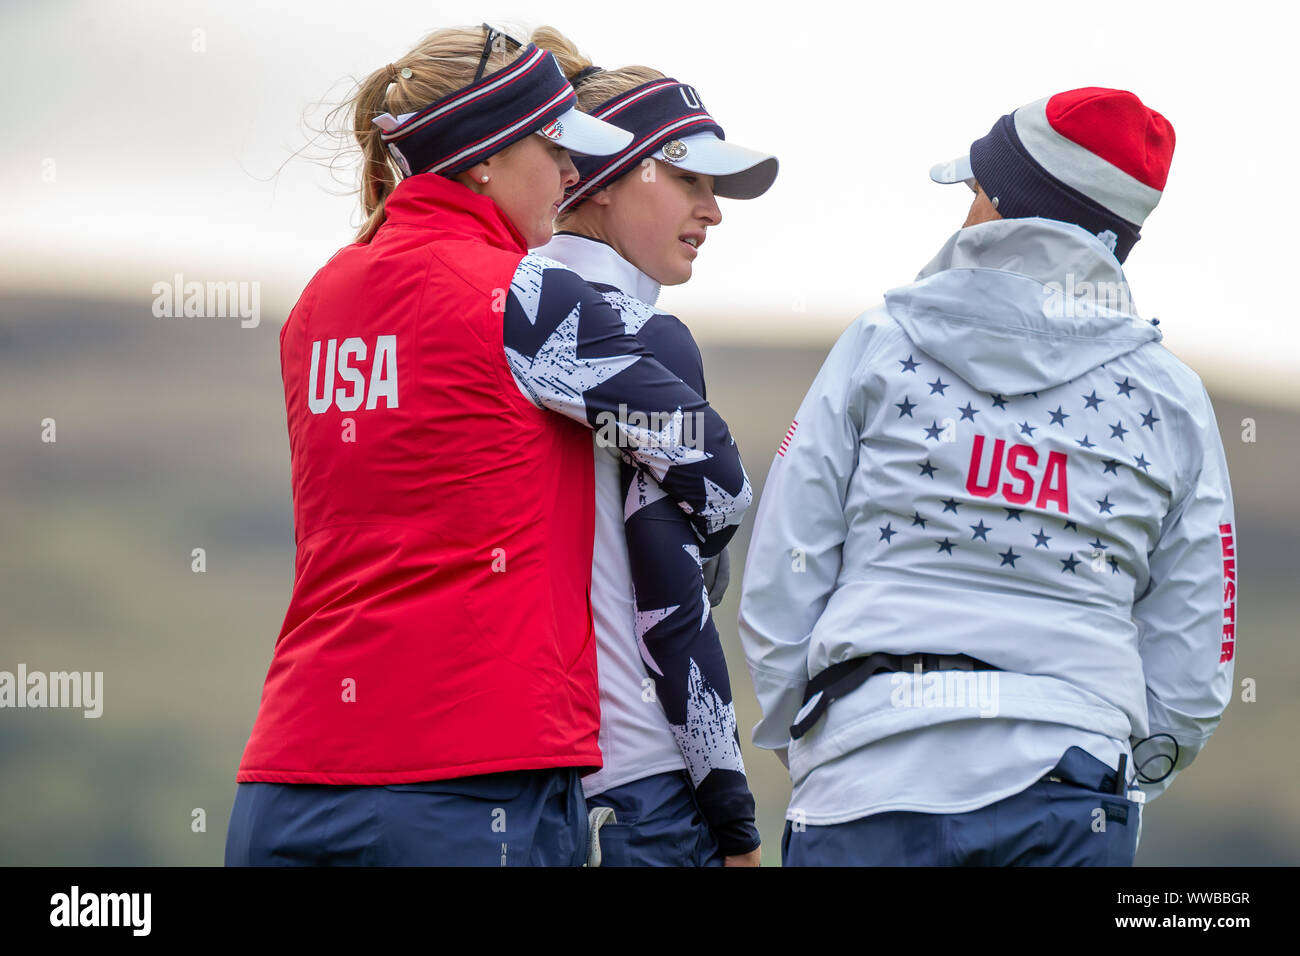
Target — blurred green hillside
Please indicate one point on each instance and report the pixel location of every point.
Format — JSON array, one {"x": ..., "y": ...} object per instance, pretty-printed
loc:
[{"x": 171, "y": 437}]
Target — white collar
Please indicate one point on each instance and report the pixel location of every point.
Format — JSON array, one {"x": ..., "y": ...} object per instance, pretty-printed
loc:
[
  {"x": 597, "y": 261},
  {"x": 1042, "y": 249}
]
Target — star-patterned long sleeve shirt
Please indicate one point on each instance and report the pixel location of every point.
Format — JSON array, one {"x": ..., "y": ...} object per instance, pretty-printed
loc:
[
  {"x": 569, "y": 352},
  {"x": 1000, "y": 461},
  {"x": 666, "y": 698}
]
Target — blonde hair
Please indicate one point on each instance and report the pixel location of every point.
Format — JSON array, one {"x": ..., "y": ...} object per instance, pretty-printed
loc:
[
  {"x": 595, "y": 88},
  {"x": 441, "y": 63}
]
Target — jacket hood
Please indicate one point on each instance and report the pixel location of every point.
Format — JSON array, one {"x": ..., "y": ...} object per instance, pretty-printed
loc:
[{"x": 1018, "y": 305}]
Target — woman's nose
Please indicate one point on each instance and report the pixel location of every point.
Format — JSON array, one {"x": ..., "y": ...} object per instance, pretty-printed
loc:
[
  {"x": 568, "y": 172},
  {"x": 711, "y": 211}
]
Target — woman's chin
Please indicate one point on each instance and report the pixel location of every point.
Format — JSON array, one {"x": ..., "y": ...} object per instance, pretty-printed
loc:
[
  {"x": 541, "y": 235},
  {"x": 681, "y": 273}
]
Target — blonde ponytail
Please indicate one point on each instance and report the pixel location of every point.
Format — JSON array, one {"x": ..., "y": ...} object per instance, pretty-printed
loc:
[
  {"x": 595, "y": 88},
  {"x": 566, "y": 54},
  {"x": 441, "y": 63}
]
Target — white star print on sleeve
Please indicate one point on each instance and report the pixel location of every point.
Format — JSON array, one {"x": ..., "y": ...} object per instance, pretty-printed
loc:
[
  {"x": 667, "y": 443},
  {"x": 722, "y": 505},
  {"x": 708, "y": 740},
  {"x": 570, "y": 351},
  {"x": 694, "y": 552},
  {"x": 635, "y": 313},
  {"x": 644, "y": 621},
  {"x": 556, "y": 377},
  {"x": 526, "y": 284},
  {"x": 642, "y": 492}
]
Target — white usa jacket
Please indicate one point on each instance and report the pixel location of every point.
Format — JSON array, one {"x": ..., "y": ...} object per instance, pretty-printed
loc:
[{"x": 999, "y": 461}]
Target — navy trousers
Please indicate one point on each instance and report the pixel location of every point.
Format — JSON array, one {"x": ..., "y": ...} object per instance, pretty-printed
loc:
[
  {"x": 659, "y": 824},
  {"x": 1078, "y": 821},
  {"x": 521, "y": 818}
]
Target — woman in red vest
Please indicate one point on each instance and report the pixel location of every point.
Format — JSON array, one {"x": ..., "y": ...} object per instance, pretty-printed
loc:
[{"x": 432, "y": 697}]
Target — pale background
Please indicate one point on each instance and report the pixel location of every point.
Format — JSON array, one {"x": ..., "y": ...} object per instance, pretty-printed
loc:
[{"x": 130, "y": 156}]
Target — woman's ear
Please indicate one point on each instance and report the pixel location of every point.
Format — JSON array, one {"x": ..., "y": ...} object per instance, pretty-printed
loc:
[
  {"x": 477, "y": 176},
  {"x": 600, "y": 197}
]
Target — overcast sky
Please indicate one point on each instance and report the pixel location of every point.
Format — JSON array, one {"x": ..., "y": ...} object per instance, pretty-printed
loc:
[{"x": 130, "y": 156}]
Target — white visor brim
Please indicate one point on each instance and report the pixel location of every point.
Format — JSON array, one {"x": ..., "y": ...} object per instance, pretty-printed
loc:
[
  {"x": 581, "y": 133},
  {"x": 738, "y": 172},
  {"x": 954, "y": 171}
]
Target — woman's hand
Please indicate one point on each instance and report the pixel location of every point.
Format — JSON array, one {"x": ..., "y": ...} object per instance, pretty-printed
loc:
[{"x": 744, "y": 859}]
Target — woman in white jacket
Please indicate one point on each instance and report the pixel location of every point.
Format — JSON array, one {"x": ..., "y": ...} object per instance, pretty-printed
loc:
[
  {"x": 673, "y": 774},
  {"x": 989, "y": 603}
]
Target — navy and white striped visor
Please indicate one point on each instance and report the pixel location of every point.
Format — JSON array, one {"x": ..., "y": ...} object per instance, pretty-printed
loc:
[
  {"x": 531, "y": 95},
  {"x": 669, "y": 123}
]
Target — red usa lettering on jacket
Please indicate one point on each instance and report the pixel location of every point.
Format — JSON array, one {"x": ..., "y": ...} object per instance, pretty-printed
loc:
[
  {"x": 1053, "y": 485},
  {"x": 342, "y": 363}
]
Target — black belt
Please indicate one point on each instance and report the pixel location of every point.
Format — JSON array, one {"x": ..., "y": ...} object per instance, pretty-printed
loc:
[{"x": 846, "y": 676}]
